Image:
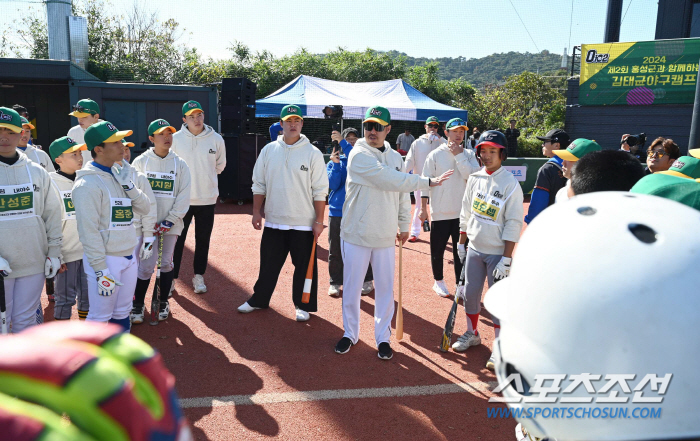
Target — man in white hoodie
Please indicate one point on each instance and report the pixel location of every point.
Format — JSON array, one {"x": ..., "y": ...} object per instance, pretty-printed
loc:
[
  {"x": 105, "y": 200},
  {"x": 30, "y": 226},
  {"x": 290, "y": 178},
  {"x": 376, "y": 213},
  {"x": 446, "y": 200},
  {"x": 204, "y": 152},
  {"x": 33, "y": 153},
  {"x": 87, "y": 112},
  {"x": 169, "y": 177},
  {"x": 415, "y": 159},
  {"x": 491, "y": 218}
]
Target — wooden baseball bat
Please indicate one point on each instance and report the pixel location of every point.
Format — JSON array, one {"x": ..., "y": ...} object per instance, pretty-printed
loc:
[
  {"x": 306, "y": 296},
  {"x": 399, "y": 314},
  {"x": 155, "y": 299}
]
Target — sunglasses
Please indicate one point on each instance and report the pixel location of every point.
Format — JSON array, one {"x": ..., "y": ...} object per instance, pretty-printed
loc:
[
  {"x": 458, "y": 123},
  {"x": 656, "y": 154},
  {"x": 369, "y": 126},
  {"x": 434, "y": 126}
]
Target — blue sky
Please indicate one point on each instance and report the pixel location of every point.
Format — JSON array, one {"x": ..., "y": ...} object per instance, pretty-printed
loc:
[{"x": 473, "y": 28}]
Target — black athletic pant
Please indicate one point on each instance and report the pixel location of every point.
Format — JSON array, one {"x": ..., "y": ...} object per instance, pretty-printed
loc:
[
  {"x": 203, "y": 226},
  {"x": 274, "y": 248},
  {"x": 440, "y": 233}
]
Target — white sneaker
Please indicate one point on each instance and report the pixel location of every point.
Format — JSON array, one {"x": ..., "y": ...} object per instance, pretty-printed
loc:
[
  {"x": 246, "y": 308},
  {"x": 465, "y": 340},
  {"x": 137, "y": 314},
  {"x": 164, "y": 313},
  {"x": 440, "y": 288},
  {"x": 334, "y": 290},
  {"x": 198, "y": 283},
  {"x": 367, "y": 288},
  {"x": 302, "y": 315},
  {"x": 172, "y": 288}
]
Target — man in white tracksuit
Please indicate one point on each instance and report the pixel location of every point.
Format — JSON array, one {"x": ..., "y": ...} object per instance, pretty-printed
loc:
[
  {"x": 415, "y": 159},
  {"x": 106, "y": 199},
  {"x": 290, "y": 178},
  {"x": 376, "y": 213},
  {"x": 169, "y": 177},
  {"x": 446, "y": 200},
  {"x": 491, "y": 218},
  {"x": 33, "y": 153},
  {"x": 30, "y": 227},
  {"x": 87, "y": 112},
  {"x": 71, "y": 282},
  {"x": 205, "y": 154}
]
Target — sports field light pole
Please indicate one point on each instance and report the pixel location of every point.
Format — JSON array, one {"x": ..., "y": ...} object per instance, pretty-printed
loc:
[{"x": 694, "y": 141}]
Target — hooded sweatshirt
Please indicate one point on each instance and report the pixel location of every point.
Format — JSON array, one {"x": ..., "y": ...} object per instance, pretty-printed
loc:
[
  {"x": 91, "y": 196},
  {"x": 38, "y": 156},
  {"x": 377, "y": 199},
  {"x": 149, "y": 220},
  {"x": 205, "y": 154},
  {"x": 292, "y": 178},
  {"x": 172, "y": 199},
  {"x": 492, "y": 210},
  {"x": 27, "y": 239},
  {"x": 419, "y": 151},
  {"x": 77, "y": 134},
  {"x": 72, "y": 249},
  {"x": 446, "y": 199}
]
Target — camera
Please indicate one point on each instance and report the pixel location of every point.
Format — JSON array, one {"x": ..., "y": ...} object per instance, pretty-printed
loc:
[
  {"x": 639, "y": 139},
  {"x": 333, "y": 112}
]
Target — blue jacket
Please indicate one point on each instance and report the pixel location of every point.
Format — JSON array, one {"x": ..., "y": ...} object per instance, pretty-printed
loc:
[
  {"x": 337, "y": 174},
  {"x": 549, "y": 181}
]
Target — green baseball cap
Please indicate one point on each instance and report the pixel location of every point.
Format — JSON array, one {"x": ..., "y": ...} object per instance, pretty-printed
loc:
[
  {"x": 683, "y": 190},
  {"x": 158, "y": 126},
  {"x": 379, "y": 115},
  {"x": 85, "y": 108},
  {"x": 10, "y": 119},
  {"x": 127, "y": 143},
  {"x": 103, "y": 131},
  {"x": 695, "y": 153},
  {"x": 456, "y": 123},
  {"x": 684, "y": 167},
  {"x": 191, "y": 107},
  {"x": 289, "y": 111},
  {"x": 432, "y": 120},
  {"x": 64, "y": 145},
  {"x": 577, "y": 149},
  {"x": 27, "y": 124}
]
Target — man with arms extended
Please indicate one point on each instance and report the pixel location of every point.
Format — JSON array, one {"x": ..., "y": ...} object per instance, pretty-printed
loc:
[
  {"x": 414, "y": 163},
  {"x": 290, "y": 178},
  {"x": 205, "y": 154},
  {"x": 376, "y": 213}
]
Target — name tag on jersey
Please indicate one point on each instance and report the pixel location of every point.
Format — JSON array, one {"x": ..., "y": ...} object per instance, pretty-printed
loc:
[
  {"x": 162, "y": 184},
  {"x": 68, "y": 207},
  {"x": 486, "y": 206}
]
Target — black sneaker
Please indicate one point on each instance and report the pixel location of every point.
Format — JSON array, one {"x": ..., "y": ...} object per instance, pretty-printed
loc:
[
  {"x": 343, "y": 346},
  {"x": 385, "y": 352}
]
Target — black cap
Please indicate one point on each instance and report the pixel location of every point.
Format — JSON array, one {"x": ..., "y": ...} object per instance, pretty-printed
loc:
[{"x": 557, "y": 135}]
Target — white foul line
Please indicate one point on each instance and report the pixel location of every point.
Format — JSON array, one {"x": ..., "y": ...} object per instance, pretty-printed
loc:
[{"x": 340, "y": 394}]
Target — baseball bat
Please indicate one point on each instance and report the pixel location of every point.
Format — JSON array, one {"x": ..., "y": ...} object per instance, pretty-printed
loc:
[
  {"x": 399, "y": 313},
  {"x": 3, "y": 314},
  {"x": 306, "y": 296},
  {"x": 155, "y": 299},
  {"x": 50, "y": 289},
  {"x": 450, "y": 325}
]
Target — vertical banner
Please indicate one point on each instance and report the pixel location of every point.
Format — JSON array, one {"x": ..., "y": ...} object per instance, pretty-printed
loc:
[{"x": 638, "y": 74}]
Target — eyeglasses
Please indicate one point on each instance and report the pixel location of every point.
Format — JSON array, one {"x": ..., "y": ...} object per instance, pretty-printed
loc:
[
  {"x": 658, "y": 154},
  {"x": 434, "y": 126},
  {"x": 369, "y": 126}
]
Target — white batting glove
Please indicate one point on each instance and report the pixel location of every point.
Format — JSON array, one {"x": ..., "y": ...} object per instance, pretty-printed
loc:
[
  {"x": 123, "y": 175},
  {"x": 502, "y": 269},
  {"x": 462, "y": 251},
  {"x": 106, "y": 282},
  {"x": 51, "y": 267},
  {"x": 4, "y": 268},
  {"x": 147, "y": 248}
]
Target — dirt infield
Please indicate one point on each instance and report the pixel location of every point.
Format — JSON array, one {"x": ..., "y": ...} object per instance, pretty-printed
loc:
[{"x": 263, "y": 375}]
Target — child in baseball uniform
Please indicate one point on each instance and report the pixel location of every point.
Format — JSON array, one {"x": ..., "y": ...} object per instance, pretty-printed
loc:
[
  {"x": 446, "y": 200},
  {"x": 169, "y": 178},
  {"x": 87, "y": 112},
  {"x": 106, "y": 199},
  {"x": 377, "y": 212},
  {"x": 30, "y": 227},
  {"x": 71, "y": 281},
  {"x": 33, "y": 153},
  {"x": 491, "y": 218}
]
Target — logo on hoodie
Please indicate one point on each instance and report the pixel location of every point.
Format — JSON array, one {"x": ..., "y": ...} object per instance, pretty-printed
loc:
[
  {"x": 304, "y": 168},
  {"x": 211, "y": 151}
]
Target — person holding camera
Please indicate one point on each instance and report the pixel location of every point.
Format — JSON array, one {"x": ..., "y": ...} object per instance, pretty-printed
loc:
[
  {"x": 337, "y": 170},
  {"x": 634, "y": 145}
]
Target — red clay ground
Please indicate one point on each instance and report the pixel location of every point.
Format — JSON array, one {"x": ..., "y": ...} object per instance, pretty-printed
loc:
[{"x": 274, "y": 377}]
